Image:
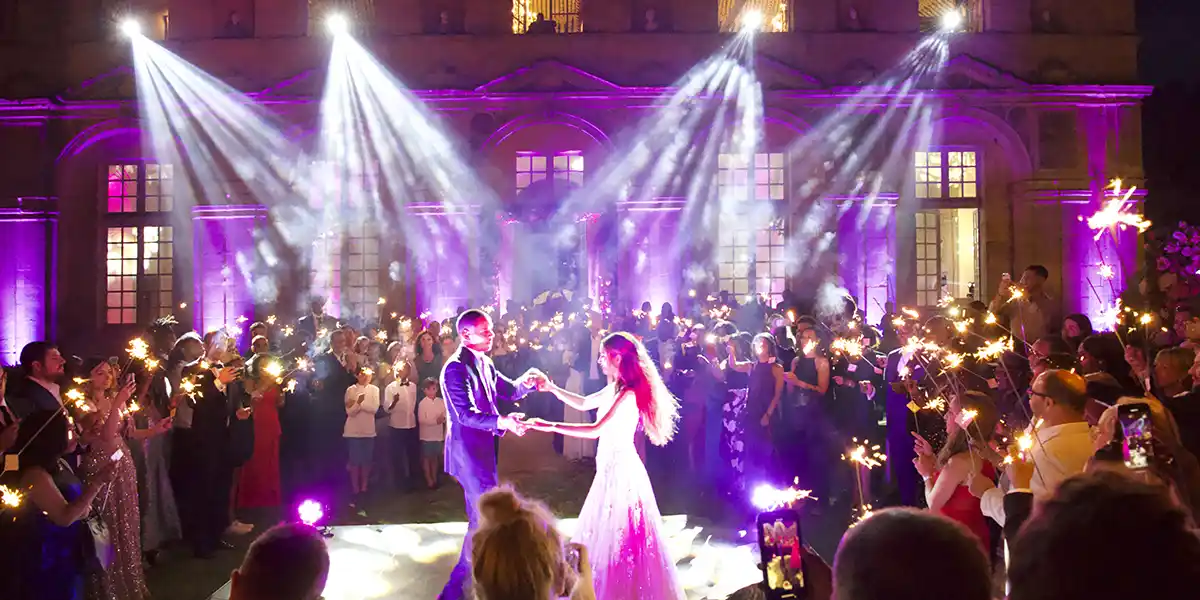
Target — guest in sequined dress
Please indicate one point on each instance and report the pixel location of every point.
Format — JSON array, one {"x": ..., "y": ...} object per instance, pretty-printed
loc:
[{"x": 105, "y": 423}]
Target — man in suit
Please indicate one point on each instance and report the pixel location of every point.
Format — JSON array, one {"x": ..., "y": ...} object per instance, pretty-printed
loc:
[
  {"x": 43, "y": 366},
  {"x": 474, "y": 389},
  {"x": 316, "y": 320}
]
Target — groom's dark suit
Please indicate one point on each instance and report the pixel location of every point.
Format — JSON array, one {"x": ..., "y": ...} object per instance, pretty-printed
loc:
[{"x": 474, "y": 390}]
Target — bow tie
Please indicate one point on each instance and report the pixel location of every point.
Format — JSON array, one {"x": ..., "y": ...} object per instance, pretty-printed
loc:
[{"x": 405, "y": 383}]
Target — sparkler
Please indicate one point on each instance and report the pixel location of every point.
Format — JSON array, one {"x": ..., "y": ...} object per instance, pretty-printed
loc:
[
  {"x": 288, "y": 331},
  {"x": 290, "y": 386},
  {"x": 994, "y": 349},
  {"x": 381, "y": 336},
  {"x": 990, "y": 319},
  {"x": 242, "y": 319},
  {"x": 1114, "y": 215},
  {"x": 766, "y": 497},
  {"x": 1107, "y": 272},
  {"x": 151, "y": 364},
  {"x": 938, "y": 404},
  {"x": 864, "y": 512},
  {"x": 188, "y": 386},
  {"x": 911, "y": 313},
  {"x": 381, "y": 301},
  {"x": 953, "y": 360},
  {"x": 9, "y": 497},
  {"x": 273, "y": 369},
  {"x": 138, "y": 349},
  {"x": 271, "y": 320}
]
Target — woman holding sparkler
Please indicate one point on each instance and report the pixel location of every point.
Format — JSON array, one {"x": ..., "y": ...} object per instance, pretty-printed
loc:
[
  {"x": 970, "y": 420},
  {"x": 105, "y": 422},
  {"x": 620, "y": 523}
]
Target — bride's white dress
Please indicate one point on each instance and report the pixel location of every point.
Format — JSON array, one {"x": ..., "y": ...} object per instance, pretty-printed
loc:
[{"x": 620, "y": 524}]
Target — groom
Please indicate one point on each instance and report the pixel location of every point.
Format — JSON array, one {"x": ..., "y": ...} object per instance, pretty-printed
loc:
[{"x": 474, "y": 390}]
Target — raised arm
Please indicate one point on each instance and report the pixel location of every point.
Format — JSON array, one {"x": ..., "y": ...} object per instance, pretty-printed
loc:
[
  {"x": 742, "y": 366},
  {"x": 511, "y": 391},
  {"x": 587, "y": 431},
  {"x": 459, "y": 403},
  {"x": 48, "y": 499}
]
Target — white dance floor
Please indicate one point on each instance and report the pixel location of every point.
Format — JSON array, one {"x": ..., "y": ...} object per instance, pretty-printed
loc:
[{"x": 414, "y": 561}]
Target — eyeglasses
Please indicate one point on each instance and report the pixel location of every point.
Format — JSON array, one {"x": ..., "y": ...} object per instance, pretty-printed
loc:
[{"x": 1033, "y": 392}]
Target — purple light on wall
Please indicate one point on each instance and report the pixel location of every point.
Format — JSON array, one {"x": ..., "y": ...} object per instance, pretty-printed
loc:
[
  {"x": 1085, "y": 260},
  {"x": 26, "y": 276},
  {"x": 224, "y": 250},
  {"x": 866, "y": 248}
]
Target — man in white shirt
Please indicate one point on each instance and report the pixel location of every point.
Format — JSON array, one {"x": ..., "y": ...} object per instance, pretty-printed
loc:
[
  {"x": 1062, "y": 444},
  {"x": 400, "y": 403}
]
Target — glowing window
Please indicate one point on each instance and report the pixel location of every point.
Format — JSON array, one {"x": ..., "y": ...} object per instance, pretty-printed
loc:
[
  {"x": 953, "y": 174},
  {"x": 751, "y": 261},
  {"x": 361, "y": 274},
  {"x": 563, "y": 13},
  {"x": 776, "y": 14},
  {"x": 735, "y": 172},
  {"x": 530, "y": 168},
  {"x": 569, "y": 166},
  {"x": 325, "y": 270},
  {"x": 140, "y": 263},
  {"x": 139, "y": 187},
  {"x": 947, "y": 249}
]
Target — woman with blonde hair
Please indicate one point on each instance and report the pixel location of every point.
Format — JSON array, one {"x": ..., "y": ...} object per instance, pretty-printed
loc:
[
  {"x": 620, "y": 523},
  {"x": 517, "y": 554}
]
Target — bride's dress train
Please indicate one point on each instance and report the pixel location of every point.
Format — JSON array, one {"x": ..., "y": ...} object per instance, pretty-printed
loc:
[{"x": 620, "y": 523}]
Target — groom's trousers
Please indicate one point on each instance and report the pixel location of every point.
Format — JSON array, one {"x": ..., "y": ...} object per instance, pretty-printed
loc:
[{"x": 473, "y": 486}]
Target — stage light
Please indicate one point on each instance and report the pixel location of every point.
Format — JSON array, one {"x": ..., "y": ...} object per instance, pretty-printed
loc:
[
  {"x": 131, "y": 28},
  {"x": 338, "y": 24},
  {"x": 752, "y": 20},
  {"x": 310, "y": 512},
  {"x": 952, "y": 20}
]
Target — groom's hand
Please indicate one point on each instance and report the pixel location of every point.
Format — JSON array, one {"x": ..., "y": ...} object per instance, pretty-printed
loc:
[
  {"x": 513, "y": 423},
  {"x": 535, "y": 378}
]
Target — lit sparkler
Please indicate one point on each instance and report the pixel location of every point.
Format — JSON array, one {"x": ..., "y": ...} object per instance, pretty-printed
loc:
[
  {"x": 767, "y": 497},
  {"x": 271, "y": 320},
  {"x": 274, "y": 369},
  {"x": 1114, "y": 215},
  {"x": 151, "y": 364},
  {"x": 288, "y": 331},
  {"x": 381, "y": 336},
  {"x": 965, "y": 417},
  {"x": 290, "y": 386},
  {"x": 861, "y": 454},
  {"x": 994, "y": 349},
  {"x": 990, "y": 319},
  {"x": 1107, "y": 271},
  {"x": 138, "y": 349},
  {"x": 9, "y": 497}
]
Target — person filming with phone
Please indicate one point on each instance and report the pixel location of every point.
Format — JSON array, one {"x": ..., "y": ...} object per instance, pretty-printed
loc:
[
  {"x": 1025, "y": 305},
  {"x": 518, "y": 554}
]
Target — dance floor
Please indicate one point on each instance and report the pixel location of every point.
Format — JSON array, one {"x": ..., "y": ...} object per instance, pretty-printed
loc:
[{"x": 414, "y": 561}]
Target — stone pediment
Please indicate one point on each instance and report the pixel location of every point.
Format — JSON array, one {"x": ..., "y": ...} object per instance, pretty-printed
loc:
[
  {"x": 775, "y": 75},
  {"x": 116, "y": 84},
  {"x": 303, "y": 84},
  {"x": 967, "y": 72},
  {"x": 548, "y": 76}
]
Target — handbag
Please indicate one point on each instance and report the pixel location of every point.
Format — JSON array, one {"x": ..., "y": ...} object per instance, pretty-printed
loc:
[{"x": 102, "y": 552}]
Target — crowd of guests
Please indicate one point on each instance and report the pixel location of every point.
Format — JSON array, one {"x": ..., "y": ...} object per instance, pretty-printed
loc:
[{"x": 985, "y": 411}]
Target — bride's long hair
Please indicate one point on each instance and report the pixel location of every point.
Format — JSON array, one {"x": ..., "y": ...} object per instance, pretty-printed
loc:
[{"x": 637, "y": 373}]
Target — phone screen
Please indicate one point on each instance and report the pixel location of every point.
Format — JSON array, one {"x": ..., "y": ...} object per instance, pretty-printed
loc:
[
  {"x": 779, "y": 542},
  {"x": 1138, "y": 433}
]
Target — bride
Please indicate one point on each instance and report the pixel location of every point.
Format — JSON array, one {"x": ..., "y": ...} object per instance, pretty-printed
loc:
[{"x": 620, "y": 522}]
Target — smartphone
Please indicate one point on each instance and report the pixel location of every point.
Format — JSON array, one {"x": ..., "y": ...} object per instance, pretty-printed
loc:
[
  {"x": 779, "y": 544},
  {"x": 572, "y": 557},
  {"x": 1138, "y": 432}
]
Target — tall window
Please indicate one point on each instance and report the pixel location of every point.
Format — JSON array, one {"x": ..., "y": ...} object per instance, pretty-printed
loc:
[
  {"x": 344, "y": 265},
  {"x": 530, "y": 168},
  {"x": 564, "y": 14},
  {"x": 735, "y": 172},
  {"x": 361, "y": 276},
  {"x": 776, "y": 15},
  {"x": 750, "y": 260},
  {"x": 750, "y": 256},
  {"x": 139, "y": 246},
  {"x": 947, "y": 225}
]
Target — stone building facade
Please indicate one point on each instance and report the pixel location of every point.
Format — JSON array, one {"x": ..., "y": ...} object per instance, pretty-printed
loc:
[{"x": 1039, "y": 99}]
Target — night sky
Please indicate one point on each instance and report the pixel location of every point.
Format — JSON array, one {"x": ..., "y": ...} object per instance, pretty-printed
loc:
[{"x": 1170, "y": 61}]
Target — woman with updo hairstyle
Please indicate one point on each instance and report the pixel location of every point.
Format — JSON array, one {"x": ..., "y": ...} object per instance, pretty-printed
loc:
[{"x": 517, "y": 554}]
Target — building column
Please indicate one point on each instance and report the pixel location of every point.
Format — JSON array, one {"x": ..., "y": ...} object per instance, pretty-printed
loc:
[
  {"x": 27, "y": 292},
  {"x": 225, "y": 265}
]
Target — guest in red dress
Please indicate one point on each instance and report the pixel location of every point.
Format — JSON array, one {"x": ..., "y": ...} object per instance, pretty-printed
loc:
[
  {"x": 970, "y": 419},
  {"x": 258, "y": 483}
]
